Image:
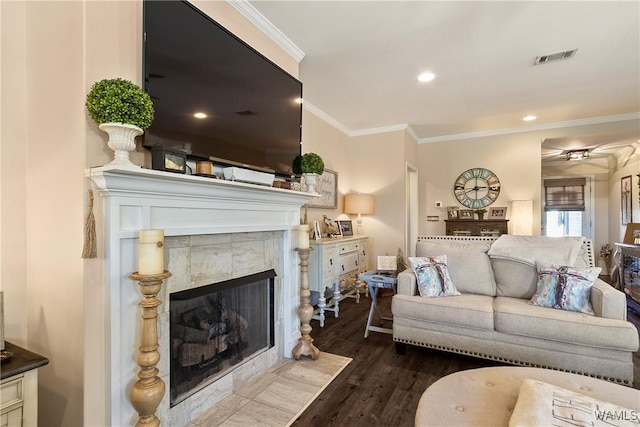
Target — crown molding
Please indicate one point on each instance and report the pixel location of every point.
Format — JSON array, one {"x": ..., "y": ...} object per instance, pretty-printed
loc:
[
  {"x": 324, "y": 116},
  {"x": 531, "y": 128},
  {"x": 259, "y": 20},
  {"x": 386, "y": 129},
  {"x": 370, "y": 131},
  {"x": 479, "y": 134}
]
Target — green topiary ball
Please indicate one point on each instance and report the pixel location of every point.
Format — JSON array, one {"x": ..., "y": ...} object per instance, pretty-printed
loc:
[
  {"x": 312, "y": 163},
  {"x": 119, "y": 101}
]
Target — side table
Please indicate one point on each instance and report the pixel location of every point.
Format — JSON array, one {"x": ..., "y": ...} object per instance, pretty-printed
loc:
[{"x": 378, "y": 280}]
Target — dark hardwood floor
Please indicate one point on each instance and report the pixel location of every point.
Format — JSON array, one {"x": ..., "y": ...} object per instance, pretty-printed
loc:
[{"x": 379, "y": 387}]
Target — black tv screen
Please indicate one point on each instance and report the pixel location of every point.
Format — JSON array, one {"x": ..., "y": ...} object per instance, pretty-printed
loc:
[{"x": 194, "y": 65}]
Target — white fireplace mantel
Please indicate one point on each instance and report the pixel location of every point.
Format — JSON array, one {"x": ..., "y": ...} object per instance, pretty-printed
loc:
[{"x": 181, "y": 205}]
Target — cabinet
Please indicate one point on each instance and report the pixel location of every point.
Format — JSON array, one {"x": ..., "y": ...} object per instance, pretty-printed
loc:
[
  {"x": 629, "y": 273},
  {"x": 334, "y": 265},
  {"x": 19, "y": 387},
  {"x": 476, "y": 227}
]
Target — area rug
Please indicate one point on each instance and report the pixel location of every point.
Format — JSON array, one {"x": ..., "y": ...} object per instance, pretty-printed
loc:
[{"x": 277, "y": 397}]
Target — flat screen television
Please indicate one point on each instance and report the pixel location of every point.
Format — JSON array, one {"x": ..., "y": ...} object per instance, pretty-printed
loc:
[{"x": 194, "y": 65}]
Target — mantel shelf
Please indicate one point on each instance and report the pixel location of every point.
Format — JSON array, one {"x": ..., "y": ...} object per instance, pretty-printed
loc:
[{"x": 112, "y": 180}]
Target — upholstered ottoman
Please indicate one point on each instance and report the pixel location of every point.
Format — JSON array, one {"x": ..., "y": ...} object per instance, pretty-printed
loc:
[{"x": 487, "y": 396}]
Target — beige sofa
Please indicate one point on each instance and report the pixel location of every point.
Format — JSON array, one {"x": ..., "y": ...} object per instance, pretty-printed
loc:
[{"x": 493, "y": 319}]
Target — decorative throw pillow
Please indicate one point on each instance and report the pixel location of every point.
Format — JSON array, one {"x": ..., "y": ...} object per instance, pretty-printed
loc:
[
  {"x": 565, "y": 288},
  {"x": 542, "y": 404},
  {"x": 433, "y": 277}
]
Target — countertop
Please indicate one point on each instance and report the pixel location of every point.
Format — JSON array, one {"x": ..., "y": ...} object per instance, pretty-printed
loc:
[{"x": 22, "y": 360}]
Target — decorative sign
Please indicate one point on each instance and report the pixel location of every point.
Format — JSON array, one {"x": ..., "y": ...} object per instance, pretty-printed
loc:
[
  {"x": 327, "y": 186},
  {"x": 387, "y": 263}
]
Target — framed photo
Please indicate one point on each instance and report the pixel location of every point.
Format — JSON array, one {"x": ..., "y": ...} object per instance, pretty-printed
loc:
[
  {"x": 317, "y": 235},
  {"x": 453, "y": 212},
  {"x": 327, "y": 186},
  {"x": 466, "y": 213},
  {"x": 346, "y": 228},
  {"x": 337, "y": 224},
  {"x": 498, "y": 213},
  {"x": 625, "y": 199}
]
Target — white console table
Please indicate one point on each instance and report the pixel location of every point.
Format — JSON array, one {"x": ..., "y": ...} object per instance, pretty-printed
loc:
[{"x": 334, "y": 261}]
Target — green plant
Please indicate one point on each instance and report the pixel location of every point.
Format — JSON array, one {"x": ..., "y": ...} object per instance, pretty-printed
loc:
[
  {"x": 480, "y": 211},
  {"x": 119, "y": 101},
  {"x": 308, "y": 163},
  {"x": 312, "y": 163}
]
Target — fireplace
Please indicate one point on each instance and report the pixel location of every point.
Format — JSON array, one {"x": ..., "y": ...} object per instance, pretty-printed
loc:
[
  {"x": 215, "y": 231},
  {"x": 216, "y": 327}
]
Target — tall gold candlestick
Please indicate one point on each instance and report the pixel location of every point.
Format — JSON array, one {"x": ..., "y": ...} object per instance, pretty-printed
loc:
[
  {"x": 148, "y": 391},
  {"x": 305, "y": 345}
]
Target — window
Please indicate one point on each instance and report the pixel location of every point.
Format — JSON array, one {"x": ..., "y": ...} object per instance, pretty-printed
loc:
[{"x": 566, "y": 209}]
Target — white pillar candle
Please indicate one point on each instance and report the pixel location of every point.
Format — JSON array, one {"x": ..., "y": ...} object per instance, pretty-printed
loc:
[
  {"x": 303, "y": 236},
  {"x": 151, "y": 252}
]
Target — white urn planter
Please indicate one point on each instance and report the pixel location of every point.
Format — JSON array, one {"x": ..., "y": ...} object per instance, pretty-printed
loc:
[
  {"x": 122, "y": 140},
  {"x": 310, "y": 180}
]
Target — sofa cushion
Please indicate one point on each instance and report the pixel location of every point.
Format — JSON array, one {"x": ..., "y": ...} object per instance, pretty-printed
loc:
[
  {"x": 565, "y": 288},
  {"x": 470, "y": 311},
  {"x": 433, "y": 276},
  {"x": 468, "y": 263},
  {"x": 533, "y": 249},
  {"x": 514, "y": 279},
  {"x": 518, "y": 317}
]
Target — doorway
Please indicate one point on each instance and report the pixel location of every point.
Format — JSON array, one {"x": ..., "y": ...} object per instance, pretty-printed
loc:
[{"x": 411, "y": 209}]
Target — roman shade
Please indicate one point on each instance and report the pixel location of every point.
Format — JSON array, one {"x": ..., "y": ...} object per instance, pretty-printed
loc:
[{"x": 564, "y": 194}]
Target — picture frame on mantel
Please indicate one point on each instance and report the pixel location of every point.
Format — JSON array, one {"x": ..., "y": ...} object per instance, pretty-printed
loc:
[
  {"x": 346, "y": 228},
  {"x": 466, "y": 213},
  {"x": 498, "y": 212},
  {"x": 327, "y": 186}
]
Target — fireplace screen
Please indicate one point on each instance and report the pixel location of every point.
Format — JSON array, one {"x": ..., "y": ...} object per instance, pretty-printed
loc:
[{"x": 215, "y": 327}]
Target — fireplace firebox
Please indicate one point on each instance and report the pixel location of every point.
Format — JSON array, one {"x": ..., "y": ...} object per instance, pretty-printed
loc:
[{"x": 216, "y": 327}]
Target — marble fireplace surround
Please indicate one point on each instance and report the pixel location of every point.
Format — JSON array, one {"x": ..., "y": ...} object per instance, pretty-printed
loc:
[{"x": 197, "y": 214}]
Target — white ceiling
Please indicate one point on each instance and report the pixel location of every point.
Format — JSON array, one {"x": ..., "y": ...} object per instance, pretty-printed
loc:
[{"x": 362, "y": 58}]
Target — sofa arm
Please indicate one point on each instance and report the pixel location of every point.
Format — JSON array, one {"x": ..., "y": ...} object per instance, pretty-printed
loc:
[
  {"x": 407, "y": 284},
  {"x": 607, "y": 301}
]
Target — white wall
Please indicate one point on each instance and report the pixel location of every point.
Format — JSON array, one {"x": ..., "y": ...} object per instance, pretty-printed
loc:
[{"x": 515, "y": 159}]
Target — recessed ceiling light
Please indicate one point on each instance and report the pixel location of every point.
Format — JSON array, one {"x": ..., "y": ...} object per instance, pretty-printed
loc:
[
  {"x": 426, "y": 77},
  {"x": 299, "y": 100},
  {"x": 529, "y": 118},
  {"x": 200, "y": 115}
]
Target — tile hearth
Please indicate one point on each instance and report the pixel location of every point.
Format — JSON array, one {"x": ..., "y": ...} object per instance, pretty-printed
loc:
[{"x": 276, "y": 397}]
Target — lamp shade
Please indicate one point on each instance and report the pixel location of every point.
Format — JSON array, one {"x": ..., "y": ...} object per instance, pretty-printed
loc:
[
  {"x": 358, "y": 204},
  {"x": 522, "y": 217}
]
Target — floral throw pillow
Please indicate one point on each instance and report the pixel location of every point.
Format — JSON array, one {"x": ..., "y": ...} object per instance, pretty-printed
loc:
[
  {"x": 565, "y": 288},
  {"x": 433, "y": 276}
]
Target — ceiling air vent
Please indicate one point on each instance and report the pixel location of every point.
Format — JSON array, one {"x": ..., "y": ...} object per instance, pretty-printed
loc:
[{"x": 565, "y": 54}]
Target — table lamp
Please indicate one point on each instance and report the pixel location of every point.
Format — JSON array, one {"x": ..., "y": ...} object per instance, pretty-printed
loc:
[
  {"x": 360, "y": 204},
  {"x": 522, "y": 217}
]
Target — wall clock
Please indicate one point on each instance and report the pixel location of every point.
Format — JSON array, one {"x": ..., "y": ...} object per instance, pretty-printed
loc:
[{"x": 477, "y": 188}]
